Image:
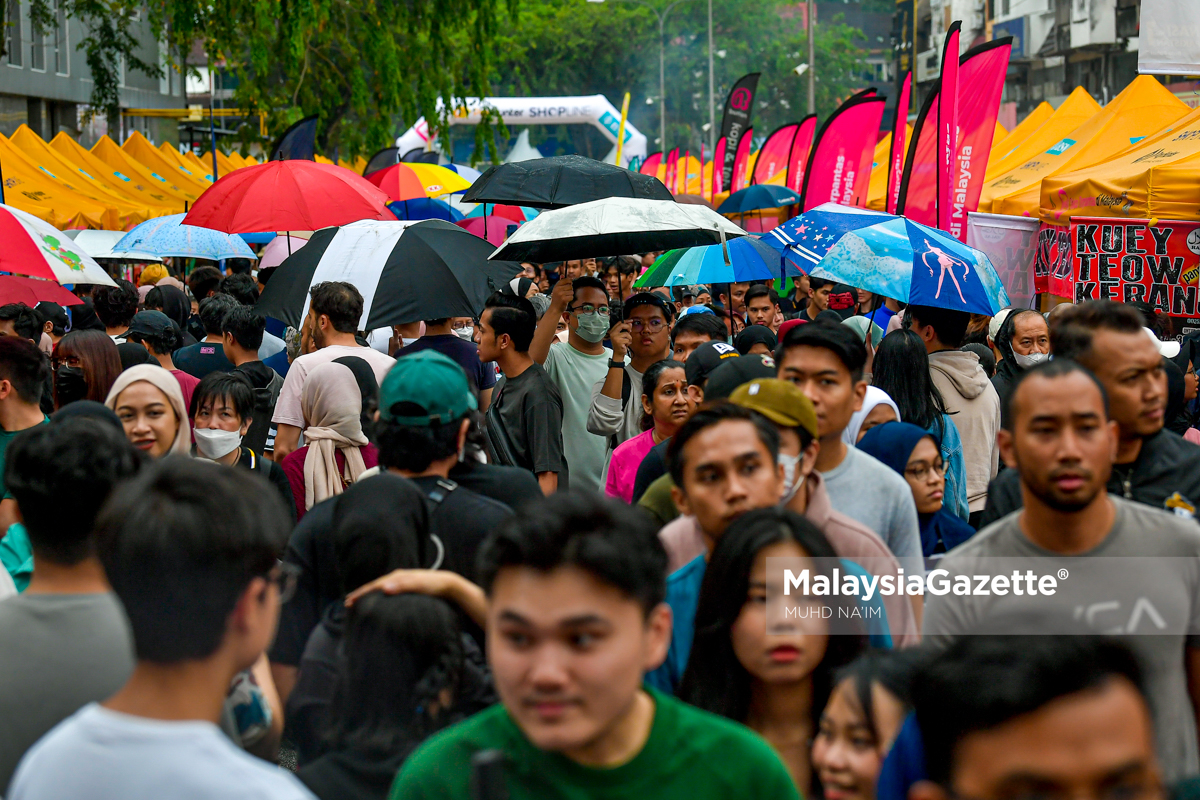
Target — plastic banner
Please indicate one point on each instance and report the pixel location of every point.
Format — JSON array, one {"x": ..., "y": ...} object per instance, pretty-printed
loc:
[
  {"x": 1169, "y": 38},
  {"x": 1010, "y": 243},
  {"x": 672, "y": 166},
  {"x": 741, "y": 162},
  {"x": 947, "y": 126},
  {"x": 736, "y": 121},
  {"x": 839, "y": 166},
  {"x": 1150, "y": 261},
  {"x": 798, "y": 157},
  {"x": 896, "y": 158},
  {"x": 650, "y": 165},
  {"x": 771, "y": 166}
]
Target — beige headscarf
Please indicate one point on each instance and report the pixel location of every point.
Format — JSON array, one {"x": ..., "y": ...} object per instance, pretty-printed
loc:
[
  {"x": 166, "y": 383},
  {"x": 332, "y": 403}
]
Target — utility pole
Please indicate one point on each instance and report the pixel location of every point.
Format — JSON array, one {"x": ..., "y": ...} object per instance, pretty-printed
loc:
[
  {"x": 712, "y": 108},
  {"x": 812, "y": 56}
]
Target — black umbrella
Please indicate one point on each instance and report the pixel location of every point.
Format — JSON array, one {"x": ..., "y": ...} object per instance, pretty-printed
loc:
[
  {"x": 406, "y": 272},
  {"x": 561, "y": 181}
]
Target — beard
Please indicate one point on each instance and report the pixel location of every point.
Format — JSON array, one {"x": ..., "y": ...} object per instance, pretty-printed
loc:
[{"x": 1044, "y": 489}]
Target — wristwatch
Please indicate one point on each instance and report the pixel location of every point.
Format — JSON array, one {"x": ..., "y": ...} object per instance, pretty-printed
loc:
[{"x": 614, "y": 364}]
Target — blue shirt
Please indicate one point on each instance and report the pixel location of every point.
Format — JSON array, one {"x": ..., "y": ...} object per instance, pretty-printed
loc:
[{"x": 683, "y": 595}]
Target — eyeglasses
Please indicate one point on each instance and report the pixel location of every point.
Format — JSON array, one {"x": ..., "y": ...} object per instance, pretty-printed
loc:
[
  {"x": 920, "y": 472},
  {"x": 285, "y": 576},
  {"x": 68, "y": 361},
  {"x": 652, "y": 325},
  {"x": 588, "y": 308}
]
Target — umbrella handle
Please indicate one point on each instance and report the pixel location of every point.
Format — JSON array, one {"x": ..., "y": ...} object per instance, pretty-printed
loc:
[{"x": 724, "y": 246}]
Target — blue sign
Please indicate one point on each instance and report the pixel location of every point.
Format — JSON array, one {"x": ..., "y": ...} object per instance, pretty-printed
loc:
[{"x": 1014, "y": 28}]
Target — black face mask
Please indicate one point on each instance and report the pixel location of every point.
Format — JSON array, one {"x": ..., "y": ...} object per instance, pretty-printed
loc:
[{"x": 69, "y": 385}]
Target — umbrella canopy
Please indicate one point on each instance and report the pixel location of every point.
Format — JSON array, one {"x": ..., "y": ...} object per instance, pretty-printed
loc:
[
  {"x": 615, "y": 226},
  {"x": 562, "y": 181},
  {"x": 425, "y": 208},
  {"x": 32, "y": 247},
  {"x": 287, "y": 195},
  {"x": 405, "y": 271},
  {"x": 894, "y": 257},
  {"x": 693, "y": 200},
  {"x": 408, "y": 181},
  {"x": 31, "y": 291},
  {"x": 169, "y": 236},
  {"x": 494, "y": 229},
  {"x": 758, "y": 196},
  {"x": 749, "y": 260},
  {"x": 469, "y": 174},
  {"x": 99, "y": 244},
  {"x": 278, "y": 249},
  {"x": 513, "y": 213}
]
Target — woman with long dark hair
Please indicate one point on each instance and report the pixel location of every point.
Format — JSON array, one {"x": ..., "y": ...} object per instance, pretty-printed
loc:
[
  {"x": 777, "y": 683},
  {"x": 85, "y": 365},
  {"x": 400, "y": 682},
  {"x": 901, "y": 369},
  {"x": 665, "y": 407}
]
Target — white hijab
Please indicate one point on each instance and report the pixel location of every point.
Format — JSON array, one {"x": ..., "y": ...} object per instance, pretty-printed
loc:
[{"x": 875, "y": 396}]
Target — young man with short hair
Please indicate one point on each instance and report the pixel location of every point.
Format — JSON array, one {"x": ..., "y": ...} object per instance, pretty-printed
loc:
[
  {"x": 970, "y": 398},
  {"x": 575, "y": 618},
  {"x": 818, "y": 299},
  {"x": 1131, "y": 566},
  {"x": 24, "y": 373},
  {"x": 246, "y": 290},
  {"x": 645, "y": 336},
  {"x": 334, "y": 313},
  {"x": 1020, "y": 715},
  {"x": 115, "y": 307},
  {"x": 734, "y": 297},
  {"x": 1153, "y": 465},
  {"x": 693, "y": 330},
  {"x": 18, "y": 319},
  {"x": 762, "y": 306},
  {"x": 192, "y": 552},
  {"x": 242, "y": 333},
  {"x": 527, "y": 405},
  {"x": 222, "y": 412},
  {"x": 208, "y": 355},
  {"x": 826, "y": 363},
  {"x": 575, "y": 366},
  {"x": 68, "y": 642},
  {"x": 439, "y": 336}
]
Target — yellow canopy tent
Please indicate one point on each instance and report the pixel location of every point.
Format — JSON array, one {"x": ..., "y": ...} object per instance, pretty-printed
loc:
[
  {"x": 193, "y": 168},
  {"x": 225, "y": 163},
  {"x": 1074, "y": 111},
  {"x": 1142, "y": 109},
  {"x": 202, "y": 168},
  {"x": 879, "y": 174},
  {"x": 251, "y": 161},
  {"x": 234, "y": 158},
  {"x": 320, "y": 159},
  {"x": 1025, "y": 128},
  {"x": 107, "y": 151},
  {"x": 128, "y": 211},
  {"x": 1129, "y": 184},
  {"x": 138, "y": 147},
  {"x": 31, "y": 189},
  {"x": 116, "y": 180}
]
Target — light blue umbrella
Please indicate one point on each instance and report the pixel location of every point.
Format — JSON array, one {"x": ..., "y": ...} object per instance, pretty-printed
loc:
[
  {"x": 168, "y": 236},
  {"x": 892, "y": 256},
  {"x": 749, "y": 260}
]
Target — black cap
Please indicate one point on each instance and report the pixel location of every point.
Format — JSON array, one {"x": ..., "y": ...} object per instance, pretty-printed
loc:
[
  {"x": 752, "y": 335},
  {"x": 648, "y": 299},
  {"x": 706, "y": 358},
  {"x": 687, "y": 291},
  {"x": 56, "y": 314},
  {"x": 150, "y": 323},
  {"x": 734, "y": 372}
]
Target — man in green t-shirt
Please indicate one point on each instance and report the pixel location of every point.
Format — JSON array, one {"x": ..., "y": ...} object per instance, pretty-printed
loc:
[{"x": 575, "y": 617}]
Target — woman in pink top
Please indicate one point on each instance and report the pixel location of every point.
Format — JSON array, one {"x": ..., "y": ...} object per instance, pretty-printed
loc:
[{"x": 665, "y": 406}]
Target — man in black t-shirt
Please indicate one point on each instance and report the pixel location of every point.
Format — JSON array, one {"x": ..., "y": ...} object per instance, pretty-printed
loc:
[
  {"x": 207, "y": 355},
  {"x": 439, "y": 335},
  {"x": 525, "y": 420}
]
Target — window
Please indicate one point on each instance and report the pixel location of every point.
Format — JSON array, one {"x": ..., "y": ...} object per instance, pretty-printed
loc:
[
  {"x": 12, "y": 33},
  {"x": 62, "y": 42},
  {"x": 37, "y": 48}
]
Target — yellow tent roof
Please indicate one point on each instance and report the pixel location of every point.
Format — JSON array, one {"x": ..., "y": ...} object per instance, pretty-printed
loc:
[
  {"x": 127, "y": 211},
  {"x": 1142, "y": 109},
  {"x": 1025, "y": 128},
  {"x": 138, "y": 147},
  {"x": 195, "y": 169},
  {"x": 999, "y": 134},
  {"x": 225, "y": 163},
  {"x": 77, "y": 154},
  {"x": 235, "y": 158},
  {"x": 202, "y": 168},
  {"x": 251, "y": 161},
  {"x": 30, "y": 189},
  {"x": 879, "y": 174},
  {"x": 107, "y": 151},
  {"x": 1129, "y": 184},
  {"x": 1074, "y": 111}
]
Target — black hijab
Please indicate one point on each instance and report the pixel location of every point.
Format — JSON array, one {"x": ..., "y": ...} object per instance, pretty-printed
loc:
[{"x": 175, "y": 305}]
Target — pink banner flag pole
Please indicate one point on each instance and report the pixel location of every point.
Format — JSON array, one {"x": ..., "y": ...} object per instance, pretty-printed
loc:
[
  {"x": 839, "y": 165},
  {"x": 798, "y": 157},
  {"x": 947, "y": 126}
]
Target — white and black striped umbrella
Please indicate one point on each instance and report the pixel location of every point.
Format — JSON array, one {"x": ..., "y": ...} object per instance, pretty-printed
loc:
[{"x": 405, "y": 271}]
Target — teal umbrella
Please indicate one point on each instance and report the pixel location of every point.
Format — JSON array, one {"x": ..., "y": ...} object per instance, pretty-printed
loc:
[{"x": 747, "y": 259}]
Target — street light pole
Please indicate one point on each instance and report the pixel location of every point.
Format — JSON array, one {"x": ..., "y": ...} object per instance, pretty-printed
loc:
[
  {"x": 812, "y": 57},
  {"x": 712, "y": 109}
]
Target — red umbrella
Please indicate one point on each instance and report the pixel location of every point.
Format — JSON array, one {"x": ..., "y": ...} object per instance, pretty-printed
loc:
[
  {"x": 495, "y": 227},
  {"x": 287, "y": 196},
  {"x": 31, "y": 291}
]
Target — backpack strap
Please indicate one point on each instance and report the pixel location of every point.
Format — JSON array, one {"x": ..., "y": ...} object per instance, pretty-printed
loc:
[{"x": 443, "y": 489}]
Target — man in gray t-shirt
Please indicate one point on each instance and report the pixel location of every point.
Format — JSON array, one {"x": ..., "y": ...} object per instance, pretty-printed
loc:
[{"x": 1115, "y": 567}]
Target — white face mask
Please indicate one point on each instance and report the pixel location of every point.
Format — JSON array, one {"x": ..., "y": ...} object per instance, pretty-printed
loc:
[
  {"x": 791, "y": 480},
  {"x": 1031, "y": 360},
  {"x": 212, "y": 443},
  {"x": 467, "y": 334}
]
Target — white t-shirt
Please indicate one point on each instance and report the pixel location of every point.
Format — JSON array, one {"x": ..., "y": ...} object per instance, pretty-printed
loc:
[
  {"x": 105, "y": 755},
  {"x": 287, "y": 407}
]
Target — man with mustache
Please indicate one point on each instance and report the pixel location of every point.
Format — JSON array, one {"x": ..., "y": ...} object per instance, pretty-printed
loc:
[
  {"x": 1120, "y": 566},
  {"x": 1153, "y": 465}
]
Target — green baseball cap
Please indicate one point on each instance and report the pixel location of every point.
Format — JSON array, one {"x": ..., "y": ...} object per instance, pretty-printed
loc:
[
  {"x": 425, "y": 388},
  {"x": 779, "y": 401}
]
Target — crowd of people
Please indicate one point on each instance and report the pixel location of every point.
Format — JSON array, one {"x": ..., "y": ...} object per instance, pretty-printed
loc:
[{"x": 530, "y": 554}]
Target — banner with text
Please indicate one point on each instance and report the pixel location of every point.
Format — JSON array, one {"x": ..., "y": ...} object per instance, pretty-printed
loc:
[
  {"x": 839, "y": 166},
  {"x": 735, "y": 121},
  {"x": 1010, "y": 243}
]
